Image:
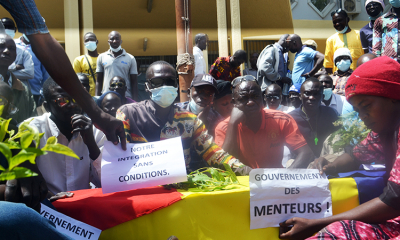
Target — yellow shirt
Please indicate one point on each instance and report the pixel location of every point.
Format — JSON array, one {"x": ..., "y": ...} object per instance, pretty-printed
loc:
[
  {"x": 335, "y": 42},
  {"x": 81, "y": 66}
]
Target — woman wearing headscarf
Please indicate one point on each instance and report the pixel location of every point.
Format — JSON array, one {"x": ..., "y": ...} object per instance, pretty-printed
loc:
[{"x": 373, "y": 90}]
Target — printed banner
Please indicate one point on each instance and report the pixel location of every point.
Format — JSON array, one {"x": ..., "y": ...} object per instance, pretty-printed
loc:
[
  {"x": 142, "y": 165},
  {"x": 69, "y": 226},
  {"x": 279, "y": 194}
]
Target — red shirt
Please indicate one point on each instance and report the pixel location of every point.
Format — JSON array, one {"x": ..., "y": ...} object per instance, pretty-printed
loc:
[
  {"x": 264, "y": 149},
  {"x": 222, "y": 70}
]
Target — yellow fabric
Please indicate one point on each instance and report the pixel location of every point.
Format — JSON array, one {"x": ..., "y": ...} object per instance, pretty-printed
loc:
[
  {"x": 335, "y": 42},
  {"x": 217, "y": 215},
  {"x": 81, "y": 66}
]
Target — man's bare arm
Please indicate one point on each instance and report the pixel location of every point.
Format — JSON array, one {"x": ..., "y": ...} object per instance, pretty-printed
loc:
[{"x": 304, "y": 157}]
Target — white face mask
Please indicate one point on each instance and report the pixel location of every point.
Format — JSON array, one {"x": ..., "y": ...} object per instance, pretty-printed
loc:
[
  {"x": 91, "y": 45},
  {"x": 10, "y": 33},
  {"x": 115, "y": 49},
  {"x": 164, "y": 96},
  {"x": 194, "y": 107}
]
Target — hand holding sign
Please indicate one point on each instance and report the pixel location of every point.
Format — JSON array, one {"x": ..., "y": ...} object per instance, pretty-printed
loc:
[
  {"x": 142, "y": 165},
  {"x": 278, "y": 194}
]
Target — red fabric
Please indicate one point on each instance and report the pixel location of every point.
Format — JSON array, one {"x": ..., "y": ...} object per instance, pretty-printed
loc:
[
  {"x": 104, "y": 211},
  {"x": 378, "y": 77}
]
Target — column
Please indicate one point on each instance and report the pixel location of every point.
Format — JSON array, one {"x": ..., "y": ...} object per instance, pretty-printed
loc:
[
  {"x": 71, "y": 28},
  {"x": 222, "y": 29},
  {"x": 236, "y": 29}
]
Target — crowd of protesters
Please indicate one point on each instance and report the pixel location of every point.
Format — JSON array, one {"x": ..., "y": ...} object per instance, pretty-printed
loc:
[{"x": 267, "y": 117}]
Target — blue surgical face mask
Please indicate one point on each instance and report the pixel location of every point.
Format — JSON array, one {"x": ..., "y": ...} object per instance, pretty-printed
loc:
[
  {"x": 194, "y": 107},
  {"x": 115, "y": 49},
  {"x": 91, "y": 45},
  {"x": 374, "y": 18},
  {"x": 344, "y": 30},
  {"x": 327, "y": 93},
  {"x": 25, "y": 37},
  {"x": 164, "y": 96},
  {"x": 343, "y": 65},
  {"x": 395, "y": 3},
  {"x": 10, "y": 33}
]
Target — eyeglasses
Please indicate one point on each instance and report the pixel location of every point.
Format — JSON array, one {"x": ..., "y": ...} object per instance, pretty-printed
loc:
[
  {"x": 159, "y": 82},
  {"x": 63, "y": 101},
  {"x": 272, "y": 97},
  {"x": 238, "y": 80},
  {"x": 12, "y": 109},
  {"x": 114, "y": 85}
]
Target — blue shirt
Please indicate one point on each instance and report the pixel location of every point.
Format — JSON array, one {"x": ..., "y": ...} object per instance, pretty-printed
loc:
[
  {"x": 41, "y": 74},
  {"x": 303, "y": 63},
  {"x": 366, "y": 35}
]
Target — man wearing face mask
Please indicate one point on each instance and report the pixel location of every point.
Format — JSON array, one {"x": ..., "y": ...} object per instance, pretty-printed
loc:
[
  {"x": 307, "y": 61},
  {"x": 343, "y": 38},
  {"x": 386, "y": 33},
  {"x": 23, "y": 66},
  {"x": 201, "y": 94},
  {"x": 342, "y": 60},
  {"x": 158, "y": 119},
  {"x": 116, "y": 62},
  {"x": 87, "y": 64},
  {"x": 374, "y": 10},
  {"x": 330, "y": 99}
]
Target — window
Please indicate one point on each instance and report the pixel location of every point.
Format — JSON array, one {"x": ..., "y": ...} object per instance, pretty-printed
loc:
[
  {"x": 322, "y": 7},
  {"x": 293, "y": 3}
]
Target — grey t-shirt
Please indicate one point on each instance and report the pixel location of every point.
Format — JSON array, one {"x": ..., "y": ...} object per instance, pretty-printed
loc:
[{"x": 124, "y": 65}]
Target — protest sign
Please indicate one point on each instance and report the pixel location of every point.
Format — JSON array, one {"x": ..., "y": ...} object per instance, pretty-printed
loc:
[
  {"x": 142, "y": 165},
  {"x": 279, "y": 194},
  {"x": 69, "y": 226}
]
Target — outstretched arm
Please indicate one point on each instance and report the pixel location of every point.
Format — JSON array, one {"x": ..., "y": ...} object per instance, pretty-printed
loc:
[
  {"x": 374, "y": 211},
  {"x": 52, "y": 56}
]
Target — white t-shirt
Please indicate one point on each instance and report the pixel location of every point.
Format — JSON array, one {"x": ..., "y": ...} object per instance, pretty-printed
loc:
[{"x": 199, "y": 62}]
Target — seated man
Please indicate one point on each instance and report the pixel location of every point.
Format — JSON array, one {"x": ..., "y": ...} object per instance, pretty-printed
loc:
[
  {"x": 65, "y": 121},
  {"x": 118, "y": 84},
  {"x": 331, "y": 99},
  {"x": 273, "y": 99},
  {"x": 201, "y": 94},
  {"x": 294, "y": 96},
  {"x": 158, "y": 119},
  {"x": 109, "y": 102},
  {"x": 315, "y": 121},
  {"x": 23, "y": 98},
  {"x": 257, "y": 135}
]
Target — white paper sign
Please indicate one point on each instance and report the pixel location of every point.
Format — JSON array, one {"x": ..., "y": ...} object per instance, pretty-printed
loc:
[
  {"x": 142, "y": 165},
  {"x": 69, "y": 226},
  {"x": 279, "y": 194}
]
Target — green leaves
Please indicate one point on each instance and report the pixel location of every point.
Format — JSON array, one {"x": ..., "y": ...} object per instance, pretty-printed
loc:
[
  {"x": 210, "y": 179},
  {"x": 53, "y": 146},
  {"x": 18, "y": 172},
  {"x": 23, "y": 143},
  {"x": 352, "y": 131}
]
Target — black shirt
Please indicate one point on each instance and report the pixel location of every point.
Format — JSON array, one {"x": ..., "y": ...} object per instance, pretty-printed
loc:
[{"x": 321, "y": 127}]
